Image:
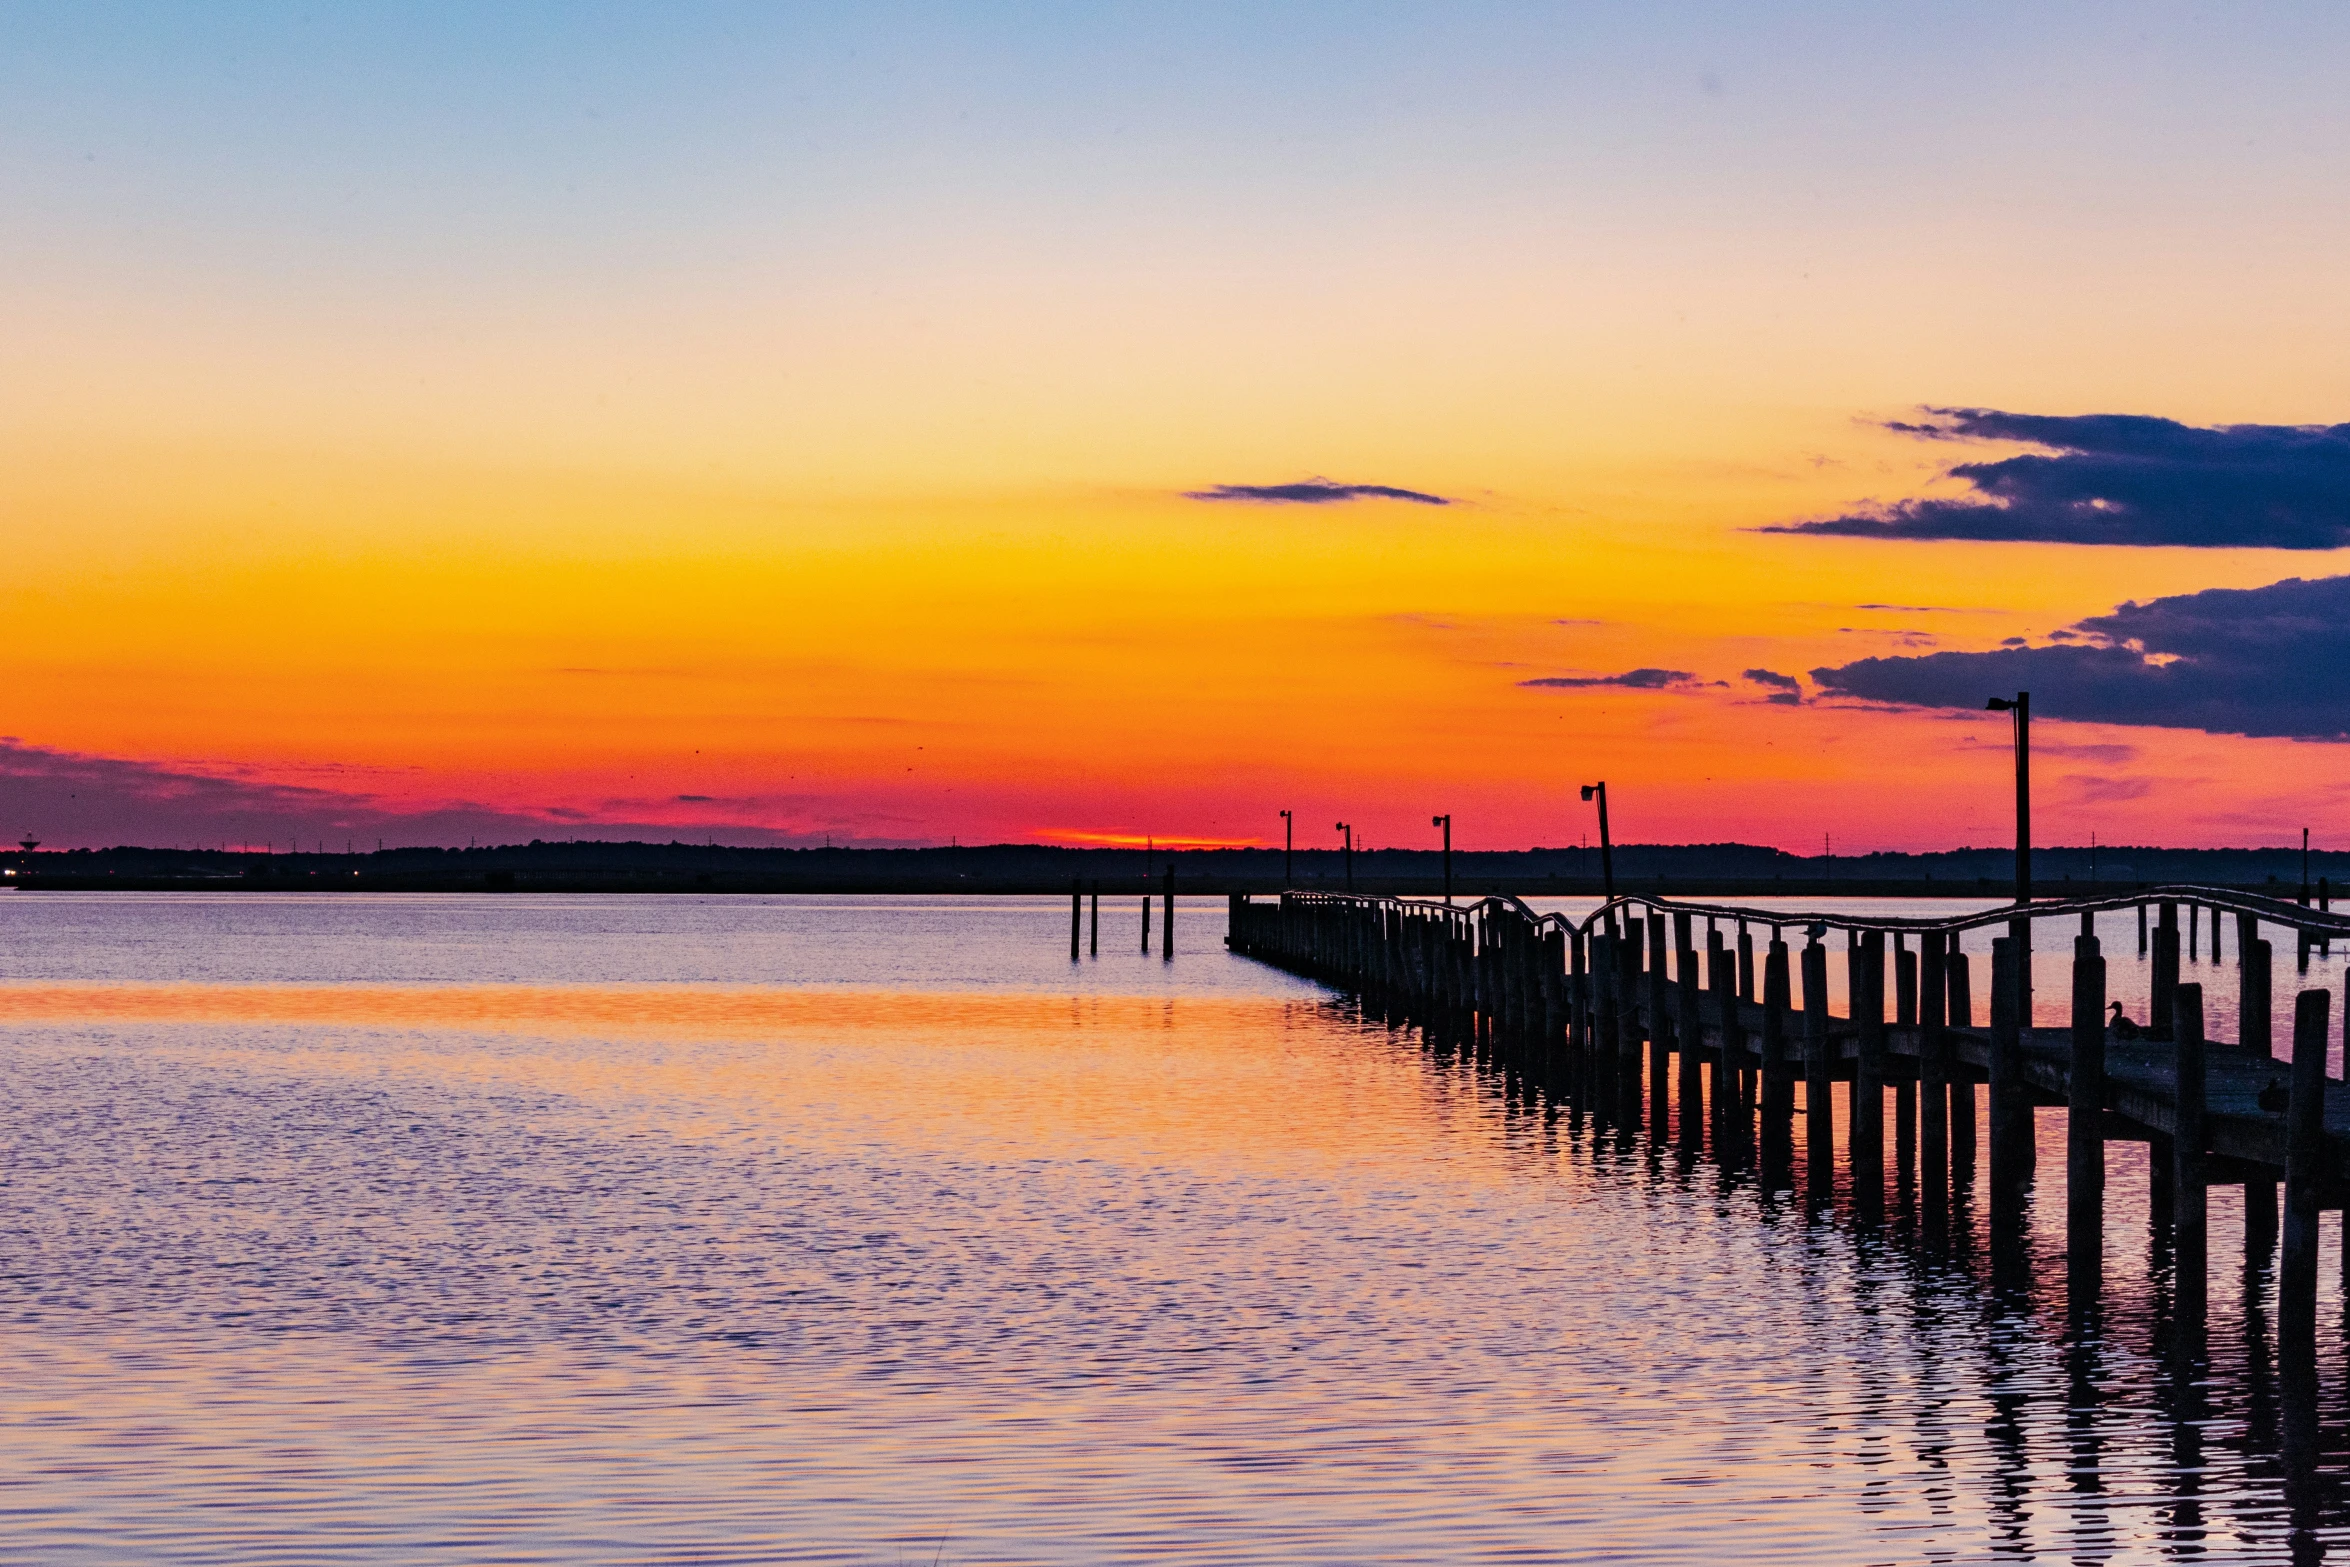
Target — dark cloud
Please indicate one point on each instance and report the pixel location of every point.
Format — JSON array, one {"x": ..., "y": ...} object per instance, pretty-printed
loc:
[
  {"x": 1312, "y": 492},
  {"x": 2127, "y": 479},
  {"x": 1633, "y": 679},
  {"x": 2271, "y": 661},
  {"x": 1786, "y": 690}
]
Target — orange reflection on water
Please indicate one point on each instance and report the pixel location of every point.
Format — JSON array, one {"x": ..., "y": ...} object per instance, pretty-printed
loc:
[{"x": 1267, "y": 1082}]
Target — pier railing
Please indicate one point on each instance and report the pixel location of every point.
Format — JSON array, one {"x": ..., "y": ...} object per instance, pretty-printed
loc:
[{"x": 1672, "y": 1011}]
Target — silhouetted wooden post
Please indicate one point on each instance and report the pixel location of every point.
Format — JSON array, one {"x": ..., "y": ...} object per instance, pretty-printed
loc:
[
  {"x": 1076, "y": 915},
  {"x": 1819, "y": 1117},
  {"x": 2304, "y": 1175},
  {"x": 2141, "y": 930},
  {"x": 1689, "y": 1035},
  {"x": 1867, "y": 1138},
  {"x": 2011, "y": 1110},
  {"x": 1660, "y": 1031},
  {"x": 1905, "y": 1087},
  {"x": 2084, "y": 1225},
  {"x": 1167, "y": 921},
  {"x": 1745, "y": 962},
  {"x": 1961, "y": 997},
  {"x": 1729, "y": 1113},
  {"x": 1093, "y": 938},
  {"x": 2256, "y": 1035},
  {"x": 1933, "y": 1078},
  {"x": 2165, "y": 974},
  {"x": 2190, "y": 1200},
  {"x": 1146, "y": 929},
  {"x": 1778, "y": 1077}
]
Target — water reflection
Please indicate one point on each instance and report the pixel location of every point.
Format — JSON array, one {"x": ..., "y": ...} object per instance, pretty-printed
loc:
[{"x": 1201, "y": 1266}]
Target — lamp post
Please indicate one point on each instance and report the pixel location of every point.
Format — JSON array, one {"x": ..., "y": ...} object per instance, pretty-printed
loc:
[
  {"x": 1607, "y": 856},
  {"x": 1288, "y": 843},
  {"x": 1348, "y": 833},
  {"x": 1445, "y": 822}
]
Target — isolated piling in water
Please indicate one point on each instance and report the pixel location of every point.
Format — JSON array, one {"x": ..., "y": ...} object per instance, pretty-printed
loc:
[
  {"x": 2165, "y": 976},
  {"x": 2190, "y": 1205},
  {"x": 2304, "y": 1175},
  {"x": 1093, "y": 939},
  {"x": 1076, "y": 915},
  {"x": 1167, "y": 921},
  {"x": 2011, "y": 1111},
  {"x": 1146, "y": 924},
  {"x": 2085, "y": 1118}
]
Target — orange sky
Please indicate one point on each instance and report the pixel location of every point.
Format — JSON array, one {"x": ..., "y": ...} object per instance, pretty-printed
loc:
[{"x": 839, "y": 490}]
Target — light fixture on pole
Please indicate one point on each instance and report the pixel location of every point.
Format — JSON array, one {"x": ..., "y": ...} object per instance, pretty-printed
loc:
[
  {"x": 1348, "y": 833},
  {"x": 1607, "y": 855},
  {"x": 2021, "y": 706},
  {"x": 1445, "y": 822},
  {"x": 1288, "y": 844}
]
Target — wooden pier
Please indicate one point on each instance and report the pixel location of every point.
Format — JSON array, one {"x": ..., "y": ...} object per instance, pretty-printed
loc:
[{"x": 1702, "y": 1019}]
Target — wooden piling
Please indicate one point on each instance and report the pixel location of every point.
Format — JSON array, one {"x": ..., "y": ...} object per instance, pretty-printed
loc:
[
  {"x": 1146, "y": 924},
  {"x": 1778, "y": 1076},
  {"x": 1933, "y": 1078},
  {"x": 2165, "y": 976},
  {"x": 1167, "y": 921},
  {"x": 1745, "y": 963},
  {"x": 1688, "y": 1037},
  {"x": 1094, "y": 923},
  {"x": 2085, "y": 1124},
  {"x": 2011, "y": 1110},
  {"x": 1961, "y": 1014},
  {"x": 1076, "y": 916},
  {"x": 2256, "y": 1034},
  {"x": 1729, "y": 1113},
  {"x": 1660, "y": 1030},
  {"x": 2304, "y": 1175},
  {"x": 1866, "y": 1139},
  {"x": 1819, "y": 1117},
  {"x": 2190, "y": 1205}
]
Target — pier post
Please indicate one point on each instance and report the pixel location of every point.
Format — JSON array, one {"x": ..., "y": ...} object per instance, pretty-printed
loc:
[
  {"x": 1933, "y": 1079},
  {"x": 2256, "y": 1035},
  {"x": 2304, "y": 1175},
  {"x": 1167, "y": 921},
  {"x": 1778, "y": 1077},
  {"x": 1146, "y": 921},
  {"x": 2190, "y": 1203},
  {"x": 1076, "y": 915},
  {"x": 1867, "y": 1136},
  {"x": 2011, "y": 1110},
  {"x": 2165, "y": 977},
  {"x": 1660, "y": 1033},
  {"x": 1962, "y": 1084},
  {"x": 1745, "y": 962},
  {"x": 1729, "y": 1108},
  {"x": 1689, "y": 1038},
  {"x": 1819, "y": 1116},
  {"x": 2084, "y": 1212},
  {"x": 1906, "y": 1087},
  {"x": 1093, "y": 938}
]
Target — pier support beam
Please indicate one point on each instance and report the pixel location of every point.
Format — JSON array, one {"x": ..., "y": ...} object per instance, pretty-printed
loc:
[
  {"x": 1933, "y": 1081},
  {"x": 2190, "y": 1250},
  {"x": 2304, "y": 1174},
  {"x": 2084, "y": 1226},
  {"x": 1867, "y": 1137},
  {"x": 1819, "y": 1115}
]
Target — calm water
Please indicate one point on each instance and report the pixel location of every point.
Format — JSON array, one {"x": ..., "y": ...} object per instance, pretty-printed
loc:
[{"x": 742, "y": 1230}]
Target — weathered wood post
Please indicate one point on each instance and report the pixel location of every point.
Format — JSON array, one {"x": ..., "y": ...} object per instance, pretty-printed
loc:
[
  {"x": 1146, "y": 923},
  {"x": 1745, "y": 962},
  {"x": 1689, "y": 1037},
  {"x": 2165, "y": 976},
  {"x": 2190, "y": 1244},
  {"x": 1819, "y": 1116},
  {"x": 1167, "y": 921},
  {"x": 1729, "y": 1111},
  {"x": 1076, "y": 915},
  {"x": 1778, "y": 1076},
  {"x": 2304, "y": 1176},
  {"x": 1867, "y": 1137},
  {"x": 2141, "y": 930},
  {"x": 1933, "y": 1078},
  {"x": 1660, "y": 1031},
  {"x": 2255, "y": 1035},
  {"x": 2084, "y": 1213},
  {"x": 1961, "y": 1014},
  {"x": 1905, "y": 1087},
  {"x": 2011, "y": 1110},
  {"x": 1093, "y": 937}
]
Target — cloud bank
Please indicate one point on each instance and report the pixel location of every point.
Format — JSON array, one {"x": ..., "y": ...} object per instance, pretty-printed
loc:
[
  {"x": 1312, "y": 492},
  {"x": 2126, "y": 479},
  {"x": 1786, "y": 690},
  {"x": 1632, "y": 679},
  {"x": 2269, "y": 662}
]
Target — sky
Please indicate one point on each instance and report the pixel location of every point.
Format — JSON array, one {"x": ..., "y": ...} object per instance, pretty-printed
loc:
[{"x": 788, "y": 424}]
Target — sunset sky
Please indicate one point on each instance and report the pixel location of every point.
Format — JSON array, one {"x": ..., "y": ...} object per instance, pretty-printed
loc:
[{"x": 1075, "y": 422}]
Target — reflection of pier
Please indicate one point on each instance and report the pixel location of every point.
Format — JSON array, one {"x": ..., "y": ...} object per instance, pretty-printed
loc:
[{"x": 1667, "y": 1013}]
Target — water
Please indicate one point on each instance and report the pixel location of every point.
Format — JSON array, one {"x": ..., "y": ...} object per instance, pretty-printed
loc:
[{"x": 873, "y": 1231}]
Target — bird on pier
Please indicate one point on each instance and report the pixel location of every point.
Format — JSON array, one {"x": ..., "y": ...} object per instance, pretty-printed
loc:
[{"x": 2123, "y": 1027}]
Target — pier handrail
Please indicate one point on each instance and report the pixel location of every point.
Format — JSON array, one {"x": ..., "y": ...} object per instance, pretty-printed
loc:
[{"x": 2270, "y": 911}]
